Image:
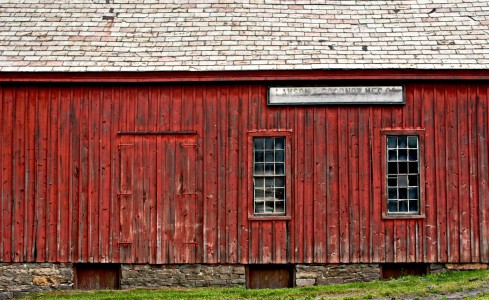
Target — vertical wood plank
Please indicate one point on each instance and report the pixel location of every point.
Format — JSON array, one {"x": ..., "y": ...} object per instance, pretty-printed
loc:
[
  {"x": 452, "y": 183},
  {"x": 320, "y": 183},
  {"x": 30, "y": 181},
  {"x": 364, "y": 180},
  {"x": 333, "y": 201},
  {"x": 18, "y": 177},
  {"x": 482, "y": 146},
  {"x": 232, "y": 175},
  {"x": 243, "y": 152},
  {"x": 7, "y": 157},
  {"x": 343, "y": 178},
  {"x": 430, "y": 197},
  {"x": 211, "y": 243},
  {"x": 463, "y": 175}
]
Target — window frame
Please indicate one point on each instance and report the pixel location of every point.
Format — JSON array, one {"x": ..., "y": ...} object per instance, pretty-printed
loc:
[
  {"x": 420, "y": 133},
  {"x": 286, "y": 134}
]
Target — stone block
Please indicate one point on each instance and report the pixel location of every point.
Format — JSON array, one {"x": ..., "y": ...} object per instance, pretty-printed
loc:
[{"x": 305, "y": 282}]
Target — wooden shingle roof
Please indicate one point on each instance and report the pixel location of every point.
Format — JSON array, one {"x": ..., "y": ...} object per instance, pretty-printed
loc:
[{"x": 142, "y": 35}]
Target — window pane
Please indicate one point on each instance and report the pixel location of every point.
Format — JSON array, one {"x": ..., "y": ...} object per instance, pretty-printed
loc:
[
  {"x": 403, "y": 206},
  {"x": 392, "y": 206},
  {"x": 259, "y": 156},
  {"x": 413, "y": 180},
  {"x": 280, "y": 169},
  {"x": 392, "y": 181},
  {"x": 392, "y": 168},
  {"x": 413, "y": 142},
  {"x": 280, "y": 194},
  {"x": 402, "y": 142},
  {"x": 269, "y": 157},
  {"x": 269, "y": 206},
  {"x": 413, "y": 193},
  {"x": 280, "y": 206},
  {"x": 413, "y": 155},
  {"x": 280, "y": 156},
  {"x": 259, "y": 194},
  {"x": 391, "y": 142},
  {"x": 413, "y": 167},
  {"x": 392, "y": 155},
  {"x": 402, "y": 154},
  {"x": 413, "y": 206},
  {"x": 279, "y": 143},
  {"x": 392, "y": 193},
  {"x": 280, "y": 182},
  {"x": 269, "y": 182},
  {"x": 269, "y": 169},
  {"x": 402, "y": 193},
  {"x": 259, "y": 169},
  {"x": 269, "y": 144},
  {"x": 259, "y": 143},
  {"x": 259, "y": 182},
  {"x": 403, "y": 168},
  {"x": 259, "y": 207},
  {"x": 403, "y": 180}
]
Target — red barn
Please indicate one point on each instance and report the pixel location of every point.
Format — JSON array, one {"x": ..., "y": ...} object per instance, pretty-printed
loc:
[{"x": 259, "y": 144}]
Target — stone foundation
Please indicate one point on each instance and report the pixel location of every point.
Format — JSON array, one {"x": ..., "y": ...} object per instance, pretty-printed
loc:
[
  {"x": 152, "y": 276},
  {"x": 19, "y": 279},
  {"x": 308, "y": 275}
]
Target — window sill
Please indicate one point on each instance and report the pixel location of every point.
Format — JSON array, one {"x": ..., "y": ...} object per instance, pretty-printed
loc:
[
  {"x": 269, "y": 218},
  {"x": 402, "y": 217}
]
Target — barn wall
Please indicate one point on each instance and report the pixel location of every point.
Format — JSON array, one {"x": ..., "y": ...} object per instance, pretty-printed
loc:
[{"x": 62, "y": 176}]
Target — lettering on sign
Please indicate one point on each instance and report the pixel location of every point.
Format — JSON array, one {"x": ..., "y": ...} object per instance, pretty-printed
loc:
[{"x": 336, "y": 95}]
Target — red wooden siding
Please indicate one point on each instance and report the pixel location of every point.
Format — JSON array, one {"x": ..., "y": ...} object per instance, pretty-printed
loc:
[{"x": 74, "y": 189}]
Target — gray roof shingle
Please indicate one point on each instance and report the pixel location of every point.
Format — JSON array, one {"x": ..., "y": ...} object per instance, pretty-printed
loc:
[{"x": 188, "y": 35}]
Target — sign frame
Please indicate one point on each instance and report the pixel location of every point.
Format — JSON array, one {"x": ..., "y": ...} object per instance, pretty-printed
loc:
[{"x": 336, "y": 95}]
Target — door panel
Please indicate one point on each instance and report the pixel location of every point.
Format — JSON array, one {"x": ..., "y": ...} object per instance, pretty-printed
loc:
[{"x": 158, "y": 199}]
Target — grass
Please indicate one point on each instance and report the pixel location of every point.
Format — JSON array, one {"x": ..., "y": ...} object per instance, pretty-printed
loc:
[{"x": 412, "y": 286}]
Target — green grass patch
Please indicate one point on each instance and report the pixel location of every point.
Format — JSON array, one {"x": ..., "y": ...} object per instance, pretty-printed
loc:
[{"x": 414, "y": 286}]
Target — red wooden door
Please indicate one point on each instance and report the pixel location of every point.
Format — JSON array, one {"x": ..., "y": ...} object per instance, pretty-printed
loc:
[{"x": 159, "y": 211}]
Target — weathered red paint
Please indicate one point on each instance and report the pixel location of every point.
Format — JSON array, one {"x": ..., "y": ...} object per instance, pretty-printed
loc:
[{"x": 82, "y": 181}]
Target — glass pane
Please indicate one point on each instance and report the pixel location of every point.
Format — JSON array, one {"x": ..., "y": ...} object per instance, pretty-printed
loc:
[
  {"x": 280, "y": 194},
  {"x": 402, "y": 154},
  {"x": 413, "y": 142},
  {"x": 280, "y": 206},
  {"x": 269, "y": 207},
  {"x": 258, "y": 143},
  {"x": 280, "y": 182},
  {"x": 269, "y": 156},
  {"x": 269, "y": 182},
  {"x": 269, "y": 145},
  {"x": 403, "y": 180},
  {"x": 279, "y": 143},
  {"x": 259, "y": 194},
  {"x": 269, "y": 193},
  {"x": 402, "y": 141},
  {"x": 403, "y": 206},
  {"x": 259, "y": 156},
  {"x": 392, "y": 206},
  {"x": 403, "y": 167},
  {"x": 403, "y": 193},
  {"x": 392, "y": 193},
  {"x": 413, "y": 180},
  {"x": 413, "y": 206},
  {"x": 413, "y": 193},
  {"x": 392, "y": 168},
  {"x": 391, "y": 142},
  {"x": 259, "y": 182},
  {"x": 279, "y": 156},
  {"x": 392, "y": 155},
  {"x": 259, "y": 169},
  {"x": 269, "y": 169},
  {"x": 413, "y": 167},
  {"x": 259, "y": 207},
  {"x": 392, "y": 181},
  {"x": 279, "y": 169},
  {"x": 413, "y": 154}
]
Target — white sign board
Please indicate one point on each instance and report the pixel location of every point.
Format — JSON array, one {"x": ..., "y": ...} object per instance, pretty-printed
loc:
[{"x": 336, "y": 95}]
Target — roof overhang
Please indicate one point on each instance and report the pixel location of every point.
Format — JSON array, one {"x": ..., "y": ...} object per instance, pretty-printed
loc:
[{"x": 233, "y": 76}]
